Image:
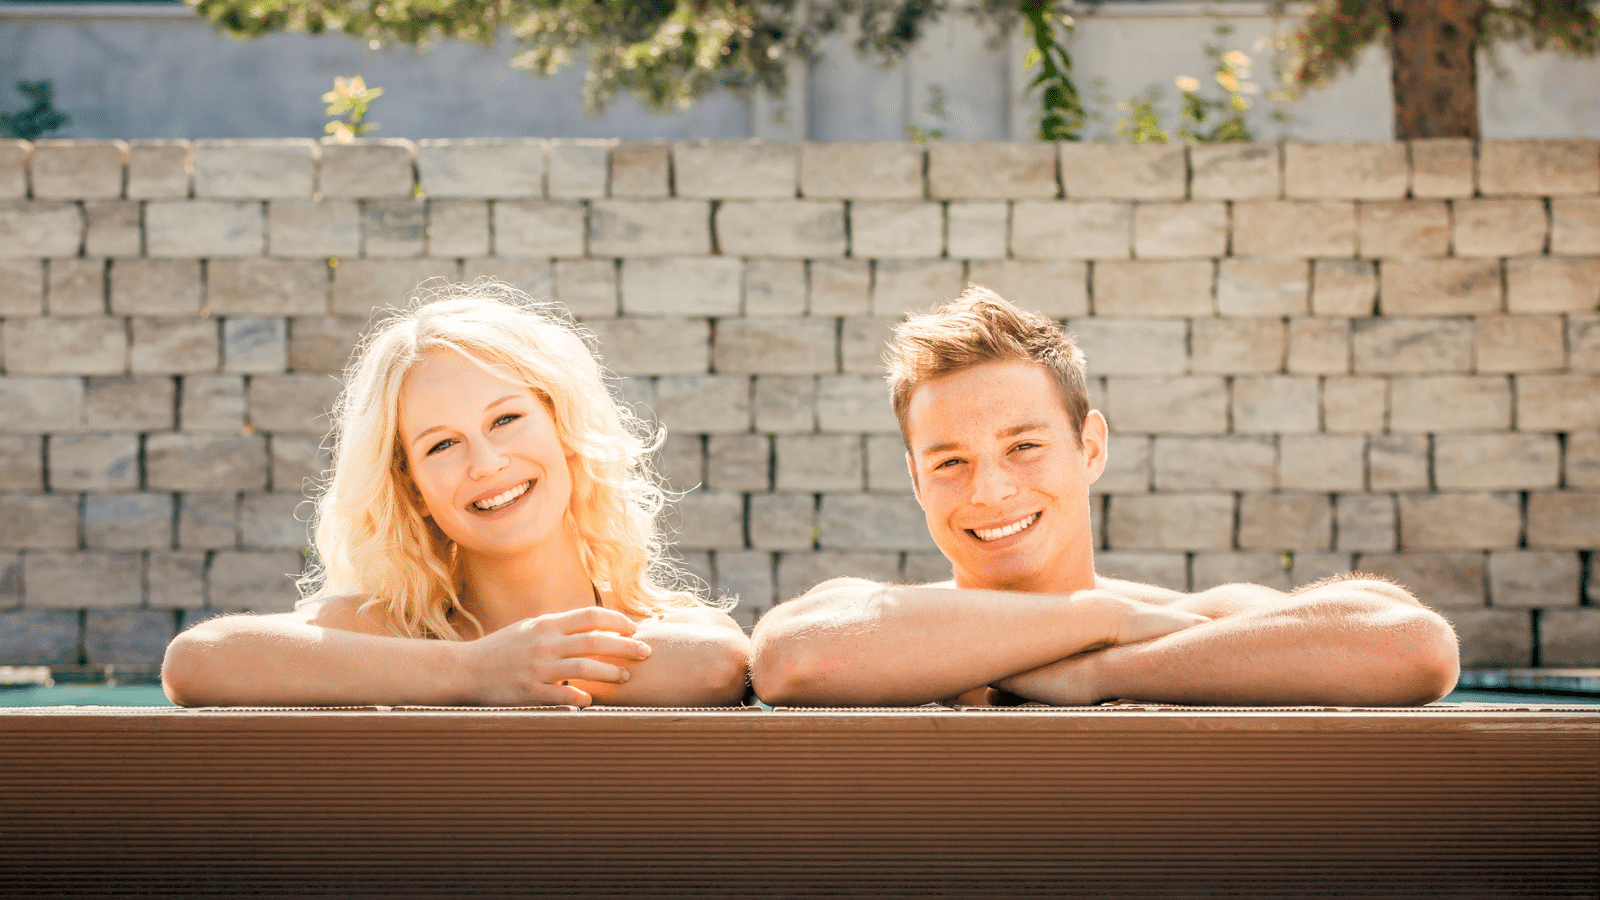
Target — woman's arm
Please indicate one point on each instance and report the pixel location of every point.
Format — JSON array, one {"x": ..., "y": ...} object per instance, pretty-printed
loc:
[
  {"x": 698, "y": 657},
  {"x": 336, "y": 655}
]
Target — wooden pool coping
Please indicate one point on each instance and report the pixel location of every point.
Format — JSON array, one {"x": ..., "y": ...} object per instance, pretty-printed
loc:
[{"x": 1498, "y": 800}]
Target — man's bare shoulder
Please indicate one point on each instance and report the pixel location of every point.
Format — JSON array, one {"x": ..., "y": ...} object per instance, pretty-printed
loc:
[{"x": 1144, "y": 593}]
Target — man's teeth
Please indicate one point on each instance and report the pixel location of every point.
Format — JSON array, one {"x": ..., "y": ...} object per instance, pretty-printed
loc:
[
  {"x": 995, "y": 534},
  {"x": 500, "y": 500}
]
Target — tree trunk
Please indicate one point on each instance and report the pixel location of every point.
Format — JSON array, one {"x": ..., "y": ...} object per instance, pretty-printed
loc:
[{"x": 1433, "y": 53}]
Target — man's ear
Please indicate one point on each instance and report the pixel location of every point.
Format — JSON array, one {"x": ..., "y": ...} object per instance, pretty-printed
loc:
[
  {"x": 916, "y": 489},
  {"x": 1094, "y": 441}
]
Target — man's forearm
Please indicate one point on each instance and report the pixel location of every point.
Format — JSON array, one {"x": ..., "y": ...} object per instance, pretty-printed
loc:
[
  {"x": 1351, "y": 644},
  {"x": 855, "y": 642}
]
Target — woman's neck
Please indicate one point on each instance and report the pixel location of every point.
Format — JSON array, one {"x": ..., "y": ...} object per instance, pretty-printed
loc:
[{"x": 502, "y": 590}]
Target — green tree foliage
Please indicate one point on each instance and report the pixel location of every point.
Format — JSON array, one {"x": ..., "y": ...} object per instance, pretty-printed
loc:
[
  {"x": 1329, "y": 41},
  {"x": 665, "y": 52},
  {"x": 39, "y": 118},
  {"x": 1431, "y": 45}
]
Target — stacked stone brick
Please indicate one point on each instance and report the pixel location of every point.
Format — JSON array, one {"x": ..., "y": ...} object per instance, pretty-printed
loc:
[{"x": 1314, "y": 357}]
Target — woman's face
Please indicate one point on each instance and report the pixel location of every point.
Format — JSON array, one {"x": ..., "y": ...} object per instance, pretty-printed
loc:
[{"x": 483, "y": 455}]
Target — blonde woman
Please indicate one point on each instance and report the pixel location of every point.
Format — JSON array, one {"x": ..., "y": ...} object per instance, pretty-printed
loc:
[{"x": 488, "y": 537}]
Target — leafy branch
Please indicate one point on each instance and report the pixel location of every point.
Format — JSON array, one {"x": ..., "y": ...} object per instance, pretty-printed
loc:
[
  {"x": 350, "y": 96},
  {"x": 1064, "y": 115}
]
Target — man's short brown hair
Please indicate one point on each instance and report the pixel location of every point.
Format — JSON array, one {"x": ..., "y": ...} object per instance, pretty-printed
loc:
[{"x": 979, "y": 327}]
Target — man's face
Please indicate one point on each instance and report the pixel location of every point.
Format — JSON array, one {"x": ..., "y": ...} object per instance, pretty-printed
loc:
[{"x": 1003, "y": 479}]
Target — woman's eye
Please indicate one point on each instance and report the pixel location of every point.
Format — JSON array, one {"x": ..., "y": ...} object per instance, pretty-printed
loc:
[
  {"x": 507, "y": 419},
  {"x": 442, "y": 445}
]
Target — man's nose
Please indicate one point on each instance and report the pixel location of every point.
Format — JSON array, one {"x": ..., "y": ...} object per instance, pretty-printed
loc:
[{"x": 992, "y": 484}]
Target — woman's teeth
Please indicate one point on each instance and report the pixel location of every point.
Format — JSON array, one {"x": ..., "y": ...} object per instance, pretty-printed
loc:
[
  {"x": 995, "y": 534},
  {"x": 499, "y": 501}
]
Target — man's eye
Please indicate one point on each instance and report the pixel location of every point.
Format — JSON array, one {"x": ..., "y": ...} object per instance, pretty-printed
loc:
[
  {"x": 1026, "y": 445},
  {"x": 948, "y": 463},
  {"x": 442, "y": 445}
]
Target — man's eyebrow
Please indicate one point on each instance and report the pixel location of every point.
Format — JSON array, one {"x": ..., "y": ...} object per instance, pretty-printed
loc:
[
  {"x": 427, "y": 431},
  {"x": 1008, "y": 431}
]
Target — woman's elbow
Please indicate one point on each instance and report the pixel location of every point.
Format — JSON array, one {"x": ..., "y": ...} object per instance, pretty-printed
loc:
[
  {"x": 183, "y": 669},
  {"x": 726, "y": 680}
]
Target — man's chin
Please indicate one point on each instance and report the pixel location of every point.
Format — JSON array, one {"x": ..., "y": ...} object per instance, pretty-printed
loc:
[{"x": 999, "y": 578}]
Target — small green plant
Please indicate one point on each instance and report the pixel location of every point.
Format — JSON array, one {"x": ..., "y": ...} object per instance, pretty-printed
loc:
[
  {"x": 1064, "y": 115},
  {"x": 919, "y": 135},
  {"x": 1201, "y": 119},
  {"x": 37, "y": 120},
  {"x": 1142, "y": 124},
  {"x": 350, "y": 96},
  {"x": 1206, "y": 120}
]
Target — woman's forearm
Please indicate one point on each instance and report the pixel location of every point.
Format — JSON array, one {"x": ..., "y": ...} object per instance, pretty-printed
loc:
[
  {"x": 267, "y": 661},
  {"x": 690, "y": 664}
]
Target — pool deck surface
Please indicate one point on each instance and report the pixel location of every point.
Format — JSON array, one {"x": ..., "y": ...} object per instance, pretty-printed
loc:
[{"x": 1133, "y": 800}]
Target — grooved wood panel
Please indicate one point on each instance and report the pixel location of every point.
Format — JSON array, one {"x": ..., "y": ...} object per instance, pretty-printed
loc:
[{"x": 1099, "y": 802}]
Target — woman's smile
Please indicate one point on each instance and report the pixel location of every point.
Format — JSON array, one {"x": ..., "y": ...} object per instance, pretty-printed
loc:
[{"x": 502, "y": 500}]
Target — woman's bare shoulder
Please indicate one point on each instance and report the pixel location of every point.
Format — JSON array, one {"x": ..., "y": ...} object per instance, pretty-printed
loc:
[
  {"x": 346, "y": 612},
  {"x": 699, "y": 615}
]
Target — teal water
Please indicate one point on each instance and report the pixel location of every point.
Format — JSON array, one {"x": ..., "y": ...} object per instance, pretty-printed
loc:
[
  {"x": 151, "y": 695},
  {"x": 85, "y": 695}
]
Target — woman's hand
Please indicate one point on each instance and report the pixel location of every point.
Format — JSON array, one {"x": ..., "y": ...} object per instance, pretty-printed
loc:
[{"x": 529, "y": 662}]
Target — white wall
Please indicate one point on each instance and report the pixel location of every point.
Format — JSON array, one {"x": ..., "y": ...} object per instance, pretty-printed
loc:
[{"x": 142, "y": 71}]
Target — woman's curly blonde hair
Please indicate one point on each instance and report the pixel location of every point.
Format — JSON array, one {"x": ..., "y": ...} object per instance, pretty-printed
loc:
[{"x": 370, "y": 536}]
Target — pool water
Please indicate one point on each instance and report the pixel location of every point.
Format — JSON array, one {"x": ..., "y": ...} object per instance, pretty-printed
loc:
[
  {"x": 84, "y": 695},
  {"x": 152, "y": 695}
]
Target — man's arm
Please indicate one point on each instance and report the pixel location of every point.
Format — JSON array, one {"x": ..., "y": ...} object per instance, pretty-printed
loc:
[
  {"x": 334, "y": 655},
  {"x": 1347, "y": 642},
  {"x": 854, "y": 642}
]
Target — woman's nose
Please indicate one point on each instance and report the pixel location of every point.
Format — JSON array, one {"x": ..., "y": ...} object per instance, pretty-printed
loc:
[{"x": 486, "y": 459}]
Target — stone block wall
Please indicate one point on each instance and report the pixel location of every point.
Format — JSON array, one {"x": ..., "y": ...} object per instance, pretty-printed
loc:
[{"x": 1314, "y": 357}]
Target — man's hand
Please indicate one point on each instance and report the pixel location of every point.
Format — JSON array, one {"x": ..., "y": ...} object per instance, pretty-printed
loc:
[
  {"x": 1140, "y": 621},
  {"x": 530, "y": 663},
  {"x": 1346, "y": 642},
  {"x": 1071, "y": 681}
]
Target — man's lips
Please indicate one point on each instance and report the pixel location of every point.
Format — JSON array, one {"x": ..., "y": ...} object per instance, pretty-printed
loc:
[{"x": 1004, "y": 531}]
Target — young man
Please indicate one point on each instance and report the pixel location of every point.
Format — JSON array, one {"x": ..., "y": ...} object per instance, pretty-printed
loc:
[{"x": 1003, "y": 447}]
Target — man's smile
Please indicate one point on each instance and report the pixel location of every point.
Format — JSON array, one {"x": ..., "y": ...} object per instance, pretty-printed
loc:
[{"x": 994, "y": 534}]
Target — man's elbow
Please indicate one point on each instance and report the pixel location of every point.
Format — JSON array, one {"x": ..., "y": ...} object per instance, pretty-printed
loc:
[
  {"x": 1435, "y": 657},
  {"x": 783, "y": 670},
  {"x": 1427, "y": 645},
  {"x": 1423, "y": 660}
]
